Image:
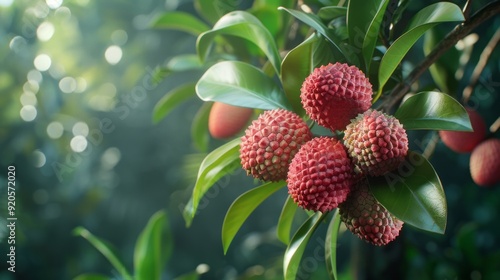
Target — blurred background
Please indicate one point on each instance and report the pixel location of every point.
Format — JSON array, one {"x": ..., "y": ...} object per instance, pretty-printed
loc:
[{"x": 76, "y": 101}]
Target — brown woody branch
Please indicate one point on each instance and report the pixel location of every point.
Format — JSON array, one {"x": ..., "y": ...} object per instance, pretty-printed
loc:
[{"x": 486, "y": 12}]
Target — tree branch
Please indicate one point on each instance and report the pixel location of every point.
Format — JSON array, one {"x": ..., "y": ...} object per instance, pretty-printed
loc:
[{"x": 491, "y": 9}]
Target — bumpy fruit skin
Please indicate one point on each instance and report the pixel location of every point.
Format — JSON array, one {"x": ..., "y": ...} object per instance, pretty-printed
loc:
[
  {"x": 376, "y": 142},
  {"x": 320, "y": 175},
  {"x": 367, "y": 218},
  {"x": 226, "y": 120},
  {"x": 335, "y": 93},
  {"x": 465, "y": 142},
  {"x": 270, "y": 143},
  {"x": 485, "y": 163}
]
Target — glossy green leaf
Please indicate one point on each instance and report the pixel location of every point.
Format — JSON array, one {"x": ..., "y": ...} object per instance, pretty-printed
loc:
[
  {"x": 315, "y": 51},
  {"x": 295, "y": 68},
  {"x": 214, "y": 9},
  {"x": 240, "y": 84},
  {"x": 244, "y": 25},
  {"x": 105, "y": 250},
  {"x": 315, "y": 22},
  {"x": 331, "y": 12},
  {"x": 414, "y": 194},
  {"x": 180, "y": 21},
  {"x": 199, "y": 127},
  {"x": 220, "y": 162},
  {"x": 92, "y": 277},
  {"x": 171, "y": 100},
  {"x": 295, "y": 249},
  {"x": 331, "y": 245},
  {"x": 433, "y": 110},
  {"x": 425, "y": 19},
  {"x": 153, "y": 248},
  {"x": 242, "y": 207},
  {"x": 372, "y": 32},
  {"x": 285, "y": 220},
  {"x": 443, "y": 70}
]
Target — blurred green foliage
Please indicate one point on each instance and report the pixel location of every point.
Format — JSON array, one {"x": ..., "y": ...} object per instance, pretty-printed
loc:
[{"x": 76, "y": 97}]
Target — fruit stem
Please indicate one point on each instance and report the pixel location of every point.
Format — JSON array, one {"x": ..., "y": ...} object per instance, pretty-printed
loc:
[
  {"x": 398, "y": 92},
  {"x": 495, "y": 126}
]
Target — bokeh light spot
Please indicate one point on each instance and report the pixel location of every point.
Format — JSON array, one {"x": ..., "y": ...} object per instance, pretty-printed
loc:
[
  {"x": 31, "y": 86},
  {"x": 110, "y": 158},
  {"x": 18, "y": 44},
  {"x": 119, "y": 37},
  {"x": 55, "y": 130},
  {"x": 113, "y": 54},
  {"x": 38, "y": 158},
  {"x": 80, "y": 128},
  {"x": 28, "y": 113},
  {"x": 54, "y": 4},
  {"x": 81, "y": 85},
  {"x": 34, "y": 76},
  {"x": 67, "y": 84},
  {"x": 28, "y": 98},
  {"x": 45, "y": 31},
  {"x": 42, "y": 62},
  {"x": 78, "y": 144}
]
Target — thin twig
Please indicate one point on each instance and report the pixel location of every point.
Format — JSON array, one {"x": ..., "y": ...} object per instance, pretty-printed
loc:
[
  {"x": 481, "y": 64},
  {"x": 467, "y": 8},
  {"x": 495, "y": 126},
  {"x": 491, "y": 9}
]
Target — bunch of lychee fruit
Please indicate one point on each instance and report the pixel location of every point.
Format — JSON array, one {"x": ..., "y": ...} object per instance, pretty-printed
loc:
[
  {"x": 485, "y": 152},
  {"x": 326, "y": 172}
]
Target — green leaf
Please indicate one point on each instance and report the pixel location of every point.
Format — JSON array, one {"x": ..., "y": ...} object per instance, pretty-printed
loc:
[
  {"x": 371, "y": 34},
  {"x": 331, "y": 12},
  {"x": 443, "y": 70},
  {"x": 315, "y": 22},
  {"x": 180, "y": 21},
  {"x": 315, "y": 51},
  {"x": 199, "y": 127},
  {"x": 331, "y": 245},
  {"x": 184, "y": 62},
  {"x": 295, "y": 249},
  {"x": 242, "y": 207},
  {"x": 92, "y": 277},
  {"x": 220, "y": 162},
  {"x": 105, "y": 250},
  {"x": 285, "y": 220},
  {"x": 171, "y": 100},
  {"x": 425, "y": 19},
  {"x": 215, "y": 9},
  {"x": 414, "y": 194},
  {"x": 153, "y": 248},
  {"x": 240, "y": 84},
  {"x": 433, "y": 110},
  {"x": 244, "y": 25}
]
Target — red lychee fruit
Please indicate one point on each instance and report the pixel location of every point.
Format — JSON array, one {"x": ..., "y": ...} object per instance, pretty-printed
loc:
[
  {"x": 226, "y": 120},
  {"x": 368, "y": 219},
  {"x": 464, "y": 142},
  {"x": 320, "y": 175},
  {"x": 270, "y": 143},
  {"x": 485, "y": 163},
  {"x": 335, "y": 93},
  {"x": 376, "y": 142}
]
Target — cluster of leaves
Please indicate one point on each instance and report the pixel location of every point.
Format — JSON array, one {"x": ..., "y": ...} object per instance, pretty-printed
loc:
[
  {"x": 153, "y": 248},
  {"x": 259, "y": 57}
]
